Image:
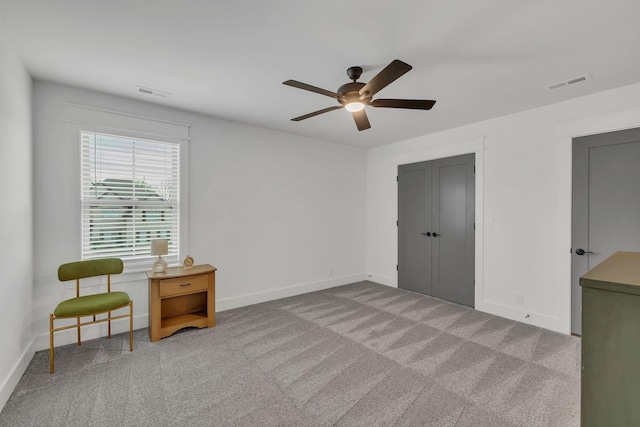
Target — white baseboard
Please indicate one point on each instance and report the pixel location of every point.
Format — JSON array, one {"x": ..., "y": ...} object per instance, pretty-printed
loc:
[
  {"x": 383, "y": 280},
  {"x": 521, "y": 315},
  {"x": 497, "y": 309},
  {"x": 90, "y": 332},
  {"x": 142, "y": 321},
  {"x": 41, "y": 342},
  {"x": 11, "y": 381},
  {"x": 244, "y": 300}
]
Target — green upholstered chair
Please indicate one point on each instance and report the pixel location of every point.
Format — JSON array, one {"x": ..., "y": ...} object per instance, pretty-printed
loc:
[{"x": 90, "y": 305}]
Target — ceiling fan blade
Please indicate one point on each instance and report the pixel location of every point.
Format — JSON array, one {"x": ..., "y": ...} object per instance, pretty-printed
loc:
[
  {"x": 413, "y": 104},
  {"x": 385, "y": 77},
  {"x": 300, "y": 85},
  {"x": 315, "y": 113},
  {"x": 362, "y": 121}
]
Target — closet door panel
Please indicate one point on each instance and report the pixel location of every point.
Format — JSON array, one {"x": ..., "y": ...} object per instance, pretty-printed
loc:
[
  {"x": 453, "y": 213},
  {"x": 414, "y": 203}
]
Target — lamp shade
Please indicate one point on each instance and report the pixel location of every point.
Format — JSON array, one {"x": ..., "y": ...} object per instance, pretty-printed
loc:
[{"x": 159, "y": 247}]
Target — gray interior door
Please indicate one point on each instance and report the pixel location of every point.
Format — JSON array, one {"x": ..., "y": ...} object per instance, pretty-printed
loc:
[
  {"x": 414, "y": 202},
  {"x": 453, "y": 216},
  {"x": 606, "y": 204},
  {"x": 436, "y": 237}
]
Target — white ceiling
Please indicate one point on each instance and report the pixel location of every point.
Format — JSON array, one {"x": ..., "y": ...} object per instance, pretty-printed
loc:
[{"x": 478, "y": 59}]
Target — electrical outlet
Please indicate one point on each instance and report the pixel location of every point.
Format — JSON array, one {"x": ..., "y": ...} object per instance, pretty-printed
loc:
[
  {"x": 330, "y": 271},
  {"x": 519, "y": 298}
]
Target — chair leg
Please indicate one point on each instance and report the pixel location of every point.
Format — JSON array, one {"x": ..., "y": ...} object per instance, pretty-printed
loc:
[
  {"x": 51, "y": 367},
  {"x": 109, "y": 325},
  {"x": 131, "y": 325},
  {"x": 79, "y": 340}
]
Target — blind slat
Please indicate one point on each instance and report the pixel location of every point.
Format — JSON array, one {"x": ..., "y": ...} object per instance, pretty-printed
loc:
[{"x": 130, "y": 195}]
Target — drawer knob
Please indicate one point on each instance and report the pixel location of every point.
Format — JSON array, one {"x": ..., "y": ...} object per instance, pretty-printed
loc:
[{"x": 184, "y": 285}]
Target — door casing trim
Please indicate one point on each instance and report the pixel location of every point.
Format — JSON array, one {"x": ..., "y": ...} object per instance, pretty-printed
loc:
[
  {"x": 627, "y": 118},
  {"x": 472, "y": 146}
]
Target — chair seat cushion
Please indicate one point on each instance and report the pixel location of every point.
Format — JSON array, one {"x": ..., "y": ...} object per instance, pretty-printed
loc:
[{"x": 91, "y": 304}]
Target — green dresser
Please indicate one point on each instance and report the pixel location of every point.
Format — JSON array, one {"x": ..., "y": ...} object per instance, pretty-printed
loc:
[{"x": 611, "y": 342}]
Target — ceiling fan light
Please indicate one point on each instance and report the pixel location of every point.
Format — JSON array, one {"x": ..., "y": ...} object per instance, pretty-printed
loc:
[{"x": 354, "y": 106}]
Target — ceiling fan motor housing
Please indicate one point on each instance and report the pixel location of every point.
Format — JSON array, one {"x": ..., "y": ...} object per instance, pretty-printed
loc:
[{"x": 350, "y": 92}]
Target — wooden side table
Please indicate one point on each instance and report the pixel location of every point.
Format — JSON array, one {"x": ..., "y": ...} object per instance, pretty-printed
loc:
[{"x": 181, "y": 297}]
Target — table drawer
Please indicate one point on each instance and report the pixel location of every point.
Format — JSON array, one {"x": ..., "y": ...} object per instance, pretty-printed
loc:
[{"x": 183, "y": 285}]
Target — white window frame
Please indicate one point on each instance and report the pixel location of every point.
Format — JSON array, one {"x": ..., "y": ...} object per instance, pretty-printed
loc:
[
  {"x": 115, "y": 187},
  {"x": 81, "y": 118}
]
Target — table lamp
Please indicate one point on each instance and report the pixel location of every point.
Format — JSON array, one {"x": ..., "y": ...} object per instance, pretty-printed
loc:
[{"x": 159, "y": 247}]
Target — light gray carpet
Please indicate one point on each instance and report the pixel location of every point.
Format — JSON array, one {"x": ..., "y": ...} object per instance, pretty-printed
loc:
[{"x": 357, "y": 355}]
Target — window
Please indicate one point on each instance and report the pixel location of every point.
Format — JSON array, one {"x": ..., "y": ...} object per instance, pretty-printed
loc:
[{"x": 130, "y": 195}]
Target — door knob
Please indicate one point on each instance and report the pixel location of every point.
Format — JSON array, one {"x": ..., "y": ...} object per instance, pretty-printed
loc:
[
  {"x": 428, "y": 233},
  {"x": 582, "y": 252},
  {"x": 435, "y": 234}
]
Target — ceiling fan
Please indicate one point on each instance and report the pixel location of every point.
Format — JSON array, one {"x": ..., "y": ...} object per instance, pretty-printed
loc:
[{"x": 355, "y": 96}]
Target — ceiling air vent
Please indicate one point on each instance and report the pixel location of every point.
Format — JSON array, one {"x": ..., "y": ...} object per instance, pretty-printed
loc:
[
  {"x": 155, "y": 92},
  {"x": 568, "y": 82}
]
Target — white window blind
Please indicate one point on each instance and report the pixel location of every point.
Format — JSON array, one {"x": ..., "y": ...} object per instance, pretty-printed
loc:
[{"x": 130, "y": 195}]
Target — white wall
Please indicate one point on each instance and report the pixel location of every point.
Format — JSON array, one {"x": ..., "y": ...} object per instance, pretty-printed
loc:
[
  {"x": 272, "y": 211},
  {"x": 16, "y": 228},
  {"x": 526, "y": 192}
]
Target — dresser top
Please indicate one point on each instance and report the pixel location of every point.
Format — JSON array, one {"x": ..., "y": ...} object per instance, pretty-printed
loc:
[
  {"x": 619, "y": 273},
  {"x": 173, "y": 272}
]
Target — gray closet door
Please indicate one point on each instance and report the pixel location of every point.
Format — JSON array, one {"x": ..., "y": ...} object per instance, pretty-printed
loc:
[
  {"x": 436, "y": 238},
  {"x": 453, "y": 216},
  {"x": 606, "y": 204},
  {"x": 414, "y": 247}
]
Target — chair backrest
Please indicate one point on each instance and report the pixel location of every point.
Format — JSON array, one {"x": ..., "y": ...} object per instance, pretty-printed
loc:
[{"x": 94, "y": 267}]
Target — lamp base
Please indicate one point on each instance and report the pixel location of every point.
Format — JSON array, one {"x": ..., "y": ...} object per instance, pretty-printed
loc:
[{"x": 160, "y": 265}]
